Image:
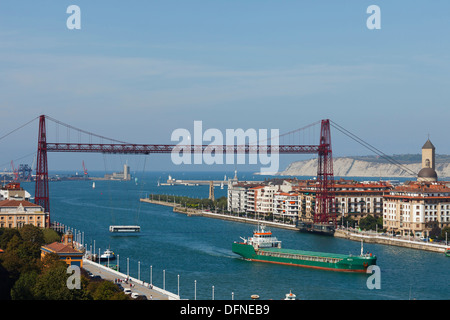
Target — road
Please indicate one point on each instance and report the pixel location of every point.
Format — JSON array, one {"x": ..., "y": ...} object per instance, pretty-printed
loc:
[{"x": 135, "y": 285}]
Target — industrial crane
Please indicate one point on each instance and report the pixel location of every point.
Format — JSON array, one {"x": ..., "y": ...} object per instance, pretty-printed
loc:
[{"x": 85, "y": 171}]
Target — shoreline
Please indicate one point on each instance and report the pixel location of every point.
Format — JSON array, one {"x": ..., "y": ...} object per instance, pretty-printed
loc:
[
  {"x": 390, "y": 241},
  {"x": 367, "y": 237}
]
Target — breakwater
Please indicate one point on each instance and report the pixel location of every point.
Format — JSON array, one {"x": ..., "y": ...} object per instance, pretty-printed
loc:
[{"x": 231, "y": 217}]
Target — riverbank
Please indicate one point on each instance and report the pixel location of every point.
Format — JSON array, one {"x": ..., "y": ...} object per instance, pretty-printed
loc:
[
  {"x": 373, "y": 237},
  {"x": 368, "y": 237}
]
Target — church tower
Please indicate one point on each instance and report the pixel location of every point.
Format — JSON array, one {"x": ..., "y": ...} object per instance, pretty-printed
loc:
[
  {"x": 67, "y": 238},
  {"x": 428, "y": 173}
]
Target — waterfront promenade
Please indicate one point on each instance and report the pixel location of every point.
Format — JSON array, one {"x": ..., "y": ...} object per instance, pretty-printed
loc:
[
  {"x": 136, "y": 285},
  {"x": 374, "y": 237},
  {"x": 231, "y": 217},
  {"x": 368, "y": 237}
]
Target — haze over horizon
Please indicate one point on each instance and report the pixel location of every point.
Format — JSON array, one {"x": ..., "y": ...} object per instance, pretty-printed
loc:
[{"x": 138, "y": 71}]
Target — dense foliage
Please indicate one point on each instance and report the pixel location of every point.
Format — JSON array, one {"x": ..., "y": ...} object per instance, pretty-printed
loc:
[{"x": 23, "y": 276}]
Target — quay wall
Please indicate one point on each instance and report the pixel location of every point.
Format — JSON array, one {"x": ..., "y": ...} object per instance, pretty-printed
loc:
[
  {"x": 392, "y": 241},
  {"x": 195, "y": 212}
]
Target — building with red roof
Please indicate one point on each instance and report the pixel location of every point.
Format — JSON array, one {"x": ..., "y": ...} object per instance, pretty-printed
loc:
[
  {"x": 17, "y": 213},
  {"x": 65, "y": 249}
]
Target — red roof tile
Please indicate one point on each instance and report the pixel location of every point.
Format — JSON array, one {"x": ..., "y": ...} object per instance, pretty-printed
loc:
[
  {"x": 59, "y": 247},
  {"x": 16, "y": 203}
]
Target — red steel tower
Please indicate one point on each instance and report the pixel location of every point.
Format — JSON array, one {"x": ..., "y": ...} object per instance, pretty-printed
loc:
[
  {"x": 325, "y": 195},
  {"x": 41, "y": 192}
]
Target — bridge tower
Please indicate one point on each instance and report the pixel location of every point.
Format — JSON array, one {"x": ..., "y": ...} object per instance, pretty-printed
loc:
[
  {"x": 325, "y": 195},
  {"x": 41, "y": 193}
]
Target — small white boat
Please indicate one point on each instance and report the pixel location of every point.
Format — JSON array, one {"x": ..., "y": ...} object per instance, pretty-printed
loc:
[
  {"x": 290, "y": 296},
  {"x": 108, "y": 254},
  {"x": 93, "y": 185}
]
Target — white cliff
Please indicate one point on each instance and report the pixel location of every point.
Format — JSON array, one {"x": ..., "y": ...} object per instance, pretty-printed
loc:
[{"x": 348, "y": 167}]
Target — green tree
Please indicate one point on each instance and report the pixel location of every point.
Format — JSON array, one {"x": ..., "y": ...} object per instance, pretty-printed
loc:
[
  {"x": 368, "y": 223},
  {"x": 443, "y": 235},
  {"x": 16, "y": 257},
  {"x": 23, "y": 288},
  {"x": 32, "y": 234},
  {"x": 6, "y": 284},
  {"x": 106, "y": 290},
  {"x": 50, "y": 236},
  {"x": 52, "y": 284},
  {"x": 348, "y": 221},
  {"x": 6, "y": 234}
]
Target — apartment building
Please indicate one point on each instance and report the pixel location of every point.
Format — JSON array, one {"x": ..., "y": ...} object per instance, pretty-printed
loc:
[
  {"x": 296, "y": 199},
  {"x": 16, "y": 214},
  {"x": 416, "y": 208},
  {"x": 285, "y": 205},
  {"x": 358, "y": 199}
]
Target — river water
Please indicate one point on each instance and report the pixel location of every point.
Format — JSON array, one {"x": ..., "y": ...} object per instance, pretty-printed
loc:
[{"x": 197, "y": 250}]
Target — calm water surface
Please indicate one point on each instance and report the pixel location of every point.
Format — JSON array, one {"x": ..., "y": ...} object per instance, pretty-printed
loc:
[{"x": 199, "y": 249}]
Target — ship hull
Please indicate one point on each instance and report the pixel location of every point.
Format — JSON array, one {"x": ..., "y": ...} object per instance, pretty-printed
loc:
[
  {"x": 305, "y": 259},
  {"x": 316, "y": 228}
]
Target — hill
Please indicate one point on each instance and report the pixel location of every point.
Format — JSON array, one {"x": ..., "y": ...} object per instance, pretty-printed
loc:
[{"x": 371, "y": 166}]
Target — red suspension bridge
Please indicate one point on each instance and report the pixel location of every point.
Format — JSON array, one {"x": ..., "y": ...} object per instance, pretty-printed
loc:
[
  {"x": 325, "y": 198},
  {"x": 325, "y": 210}
]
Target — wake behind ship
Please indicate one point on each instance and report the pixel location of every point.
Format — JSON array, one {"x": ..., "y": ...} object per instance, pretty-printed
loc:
[{"x": 264, "y": 247}]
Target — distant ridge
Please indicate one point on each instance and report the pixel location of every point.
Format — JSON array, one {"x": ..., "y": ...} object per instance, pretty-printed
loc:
[{"x": 370, "y": 166}]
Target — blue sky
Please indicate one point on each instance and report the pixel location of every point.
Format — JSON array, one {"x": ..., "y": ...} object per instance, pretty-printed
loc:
[{"x": 137, "y": 70}]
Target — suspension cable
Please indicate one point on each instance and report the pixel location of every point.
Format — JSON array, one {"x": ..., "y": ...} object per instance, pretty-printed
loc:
[
  {"x": 11, "y": 132},
  {"x": 371, "y": 148},
  {"x": 84, "y": 131}
]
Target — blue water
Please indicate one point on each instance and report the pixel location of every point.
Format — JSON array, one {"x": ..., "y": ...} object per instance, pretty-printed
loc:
[{"x": 199, "y": 249}]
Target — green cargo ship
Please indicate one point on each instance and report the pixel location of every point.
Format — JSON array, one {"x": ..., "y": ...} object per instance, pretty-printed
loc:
[{"x": 264, "y": 247}]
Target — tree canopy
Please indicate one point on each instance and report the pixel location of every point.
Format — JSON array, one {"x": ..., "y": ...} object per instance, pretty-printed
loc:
[{"x": 25, "y": 277}]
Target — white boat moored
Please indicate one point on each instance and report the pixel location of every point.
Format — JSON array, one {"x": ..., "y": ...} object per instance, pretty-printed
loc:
[{"x": 290, "y": 296}]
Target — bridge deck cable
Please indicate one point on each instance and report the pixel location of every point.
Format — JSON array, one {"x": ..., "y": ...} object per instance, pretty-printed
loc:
[{"x": 371, "y": 148}]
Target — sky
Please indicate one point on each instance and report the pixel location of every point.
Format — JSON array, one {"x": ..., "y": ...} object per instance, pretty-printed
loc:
[{"x": 138, "y": 70}]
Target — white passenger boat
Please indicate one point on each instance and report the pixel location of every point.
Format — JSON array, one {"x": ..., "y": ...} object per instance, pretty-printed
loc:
[
  {"x": 108, "y": 254},
  {"x": 124, "y": 228}
]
